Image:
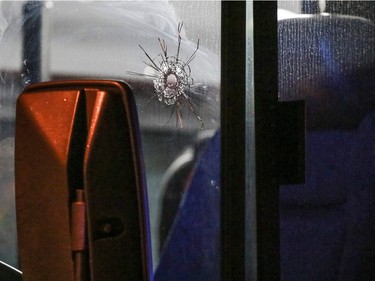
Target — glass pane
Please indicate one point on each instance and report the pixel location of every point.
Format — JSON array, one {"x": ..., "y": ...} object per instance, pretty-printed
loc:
[
  {"x": 11, "y": 84},
  {"x": 327, "y": 59},
  {"x": 135, "y": 41}
]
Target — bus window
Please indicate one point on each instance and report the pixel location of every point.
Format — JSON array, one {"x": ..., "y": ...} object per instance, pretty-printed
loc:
[{"x": 168, "y": 52}]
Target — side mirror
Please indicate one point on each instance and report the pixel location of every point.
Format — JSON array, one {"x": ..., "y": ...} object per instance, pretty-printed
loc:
[{"x": 81, "y": 196}]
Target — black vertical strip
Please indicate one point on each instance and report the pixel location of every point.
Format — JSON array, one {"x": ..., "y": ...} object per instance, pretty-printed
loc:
[
  {"x": 266, "y": 98},
  {"x": 233, "y": 141},
  {"x": 76, "y": 145},
  {"x": 32, "y": 15}
]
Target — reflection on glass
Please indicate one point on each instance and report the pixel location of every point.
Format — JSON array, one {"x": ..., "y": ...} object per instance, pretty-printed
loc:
[
  {"x": 92, "y": 39},
  {"x": 10, "y": 86}
]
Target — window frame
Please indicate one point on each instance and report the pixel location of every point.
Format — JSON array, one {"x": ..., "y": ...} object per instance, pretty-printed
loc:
[{"x": 249, "y": 181}]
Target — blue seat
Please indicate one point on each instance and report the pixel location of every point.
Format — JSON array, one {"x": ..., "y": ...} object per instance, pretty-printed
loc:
[
  {"x": 327, "y": 225},
  {"x": 192, "y": 249},
  {"x": 327, "y": 230}
]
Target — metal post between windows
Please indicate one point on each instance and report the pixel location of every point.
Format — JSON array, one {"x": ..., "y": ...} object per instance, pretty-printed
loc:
[
  {"x": 241, "y": 230},
  {"x": 233, "y": 141}
]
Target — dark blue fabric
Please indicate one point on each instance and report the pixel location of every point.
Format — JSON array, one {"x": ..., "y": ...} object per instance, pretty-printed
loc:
[
  {"x": 327, "y": 225},
  {"x": 328, "y": 61},
  {"x": 192, "y": 250}
]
